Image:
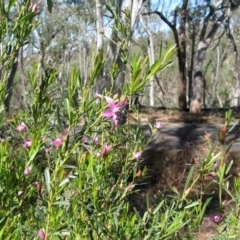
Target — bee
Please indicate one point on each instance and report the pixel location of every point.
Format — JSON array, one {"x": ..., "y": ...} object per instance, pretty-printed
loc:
[{"x": 122, "y": 116}]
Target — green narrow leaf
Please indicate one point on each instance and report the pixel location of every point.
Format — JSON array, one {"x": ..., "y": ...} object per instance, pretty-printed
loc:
[
  {"x": 204, "y": 208},
  {"x": 229, "y": 147},
  {"x": 49, "y": 5},
  {"x": 189, "y": 177},
  {"x": 158, "y": 207},
  {"x": 229, "y": 167},
  {"x": 192, "y": 205},
  {"x": 65, "y": 181},
  {"x": 98, "y": 65},
  {"x": 232, "y": 127},
  {"x": 47, "y": 179},
  {"x": 61, "y": 203}
]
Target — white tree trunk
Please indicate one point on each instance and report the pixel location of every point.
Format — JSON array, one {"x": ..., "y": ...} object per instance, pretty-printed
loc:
[
  {"x": 236, "y": 90},
  {"x": 151, "y": 57},
  {"x": 99, "y": 27},
  {"x": 114, "y": 51}
]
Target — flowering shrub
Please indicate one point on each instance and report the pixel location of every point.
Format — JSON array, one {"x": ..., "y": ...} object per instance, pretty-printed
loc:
[{"x": 73, "y": 181}]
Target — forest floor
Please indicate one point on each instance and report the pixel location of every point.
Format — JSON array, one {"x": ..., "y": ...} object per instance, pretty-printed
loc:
[{"x": 175, "y": 149}]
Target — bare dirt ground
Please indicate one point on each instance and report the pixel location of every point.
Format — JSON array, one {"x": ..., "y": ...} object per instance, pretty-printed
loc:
[{"x": 177, "y": 147}]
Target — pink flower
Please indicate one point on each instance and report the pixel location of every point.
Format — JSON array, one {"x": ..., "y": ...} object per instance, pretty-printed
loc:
[
  {"x": 38, "y": 185},
  {"x": 21, "y": 127},
  {"x": 159, "y": 126},
  {"x": 116, "y": 96},
  {"x": 216, "y": 165},
  {"x": 27, "y": 171},
  {"x": 106, "y": 149},
  {"x": 85, "y": 139},
  {"x": 64, "y": 134},
  {"x": 57, "y": 142},
  {"x": 35, "y": 8},
  {"x": 44, "y": 138},
  {"x": 129, "y": 188},
  {"x": 27, "y": 143},
  {"x": 224, "y": 202},
  {"x": 99, "y": 154},
  {"x": 207, "y": 137},
  {"x": 96, "y": 141},
  {"x": 47, "y": 151},
  {"x": 222, "y": 135},
  {"x": 98, "y": 98},
  {"x": 42, "y": 234},
  {"x": 216, "y": 219},
  {"x": 137, "y": 155},
  {"x": 114, "y": 109}
]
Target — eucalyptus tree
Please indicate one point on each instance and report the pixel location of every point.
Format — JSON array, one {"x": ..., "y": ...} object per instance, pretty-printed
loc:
[
  {"x": 123, "y": 16},
  {"x": 218, "y": 18},
  {"x": 179, "y": 31},
  {"x": 213, "y": 18}
]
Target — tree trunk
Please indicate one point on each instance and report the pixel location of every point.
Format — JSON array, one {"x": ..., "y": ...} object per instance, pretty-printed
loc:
[
  {"x": 100, "y": 31},
  {"x": 180, "y": 40},
  {"x": 23, "y": 78},
  {"x": 134, "y": 6},
  {"x": 203, "y": 44},
  {"x": 9, "y": 86},
  {"x": 182, "y": 101},
  {"x": 114, "y": 51},
  {"x": 152, "y": 59}
]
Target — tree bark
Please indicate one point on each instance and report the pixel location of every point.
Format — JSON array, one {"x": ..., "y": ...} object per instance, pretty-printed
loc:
[
  {"x": 100, "y": 32},
  {"x": 9, "y": 86},
  {"x": 182, "y": 101},
  {"x": 115, "y": 51},
  {"x": 203, "y": 44},
  {"x": 152, "y": 59}
]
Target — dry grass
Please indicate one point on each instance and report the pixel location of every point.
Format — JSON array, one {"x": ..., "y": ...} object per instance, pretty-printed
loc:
[{"x": 206, "y": 116}]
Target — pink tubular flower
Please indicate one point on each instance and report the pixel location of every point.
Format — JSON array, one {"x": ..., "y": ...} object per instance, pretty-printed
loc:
[
  {"x": 222, "y": 135},
  {"x": 44, "y": 138},
  {"x": 106, "y": 149},
  {"x": 27, "y": 171},
  {"x": 57, "y": 142},
  {"x": 21, "y": 127},
  {"x": 27, "y": 143},
  {"x": 114, "y": 109},
  {"x": 96, "y": 141},
  {"x": 35, "y": 8},
  {"x": 98, "y": 98},
  {"x": 42, "y": 234},
  {"x": 64, "y": 134},
  {"x": 137, "y": 155},
  {"x": 207, "y": 136},
  {"x": 216, "y": 219},
  {"x": 129, "y": 188},
  {"x": 159, "y": 126},
  {"x": 99, "y": 154},
  {"x": 224, "y": 202},
  {"x": 216, "y": 165}
]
